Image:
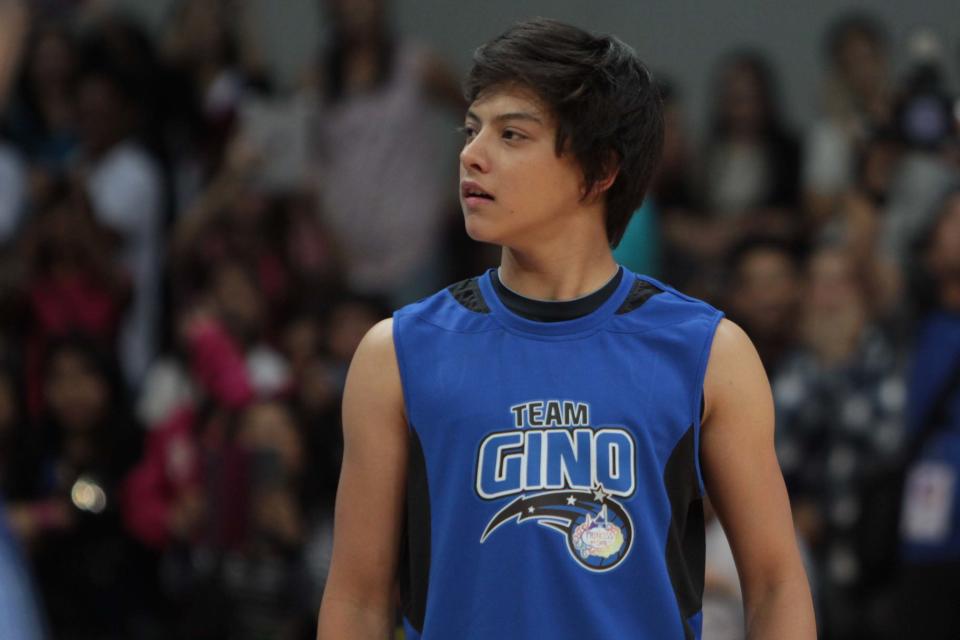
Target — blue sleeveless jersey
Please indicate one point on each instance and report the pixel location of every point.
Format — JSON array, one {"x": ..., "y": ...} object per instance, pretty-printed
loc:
[{"x": 553, "y": 487}]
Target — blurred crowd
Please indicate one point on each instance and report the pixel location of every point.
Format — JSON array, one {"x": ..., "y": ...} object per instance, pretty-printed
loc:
[{"x": 189, "y": 257}]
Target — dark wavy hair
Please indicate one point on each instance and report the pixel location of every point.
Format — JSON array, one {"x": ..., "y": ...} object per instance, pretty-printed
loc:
[
  {"x": 762, "y": 72},
  {"x": 603, "y": 98}
]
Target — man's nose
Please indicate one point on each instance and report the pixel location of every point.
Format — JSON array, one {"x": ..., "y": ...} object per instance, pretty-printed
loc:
[{"x": 473, "y": 156}]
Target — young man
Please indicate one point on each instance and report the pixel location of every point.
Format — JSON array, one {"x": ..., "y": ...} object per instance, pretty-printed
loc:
[{"x": 561, "y": 391}]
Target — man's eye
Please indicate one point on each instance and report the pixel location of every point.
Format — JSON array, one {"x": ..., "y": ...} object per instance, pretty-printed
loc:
[
  {"x": 510, "y": 134},
  {"x": 468, "y": 131}
]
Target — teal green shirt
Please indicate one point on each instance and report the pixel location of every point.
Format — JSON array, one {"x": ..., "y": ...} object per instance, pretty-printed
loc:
[{"x": 639, "y": 250}]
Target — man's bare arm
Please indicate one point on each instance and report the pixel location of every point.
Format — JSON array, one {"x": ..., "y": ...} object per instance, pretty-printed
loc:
[
  {"x": 358, "y": 601},
  {"x": 746, "y": 488}
]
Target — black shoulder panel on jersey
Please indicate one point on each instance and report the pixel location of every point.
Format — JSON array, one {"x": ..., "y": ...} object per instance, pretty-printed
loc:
[
  {"x": 414, "y": 566},
  {"x": 467, "y": 292},
  {"x": 639, "y": 294},
  {"x": 685, "y": 552}
]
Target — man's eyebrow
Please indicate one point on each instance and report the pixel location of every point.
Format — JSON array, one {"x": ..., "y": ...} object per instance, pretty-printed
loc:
[{"x": 512, "y": 115}]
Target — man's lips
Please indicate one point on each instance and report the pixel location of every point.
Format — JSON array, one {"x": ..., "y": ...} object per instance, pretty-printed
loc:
[{"x": 472, "y": 193}]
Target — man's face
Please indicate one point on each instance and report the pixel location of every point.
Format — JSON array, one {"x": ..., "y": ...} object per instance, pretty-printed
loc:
[{"x": 509, "y": 158}]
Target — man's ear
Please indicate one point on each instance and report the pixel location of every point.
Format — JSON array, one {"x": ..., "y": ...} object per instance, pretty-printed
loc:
[
  {"x": 611, "y": 171},
  {"x": 608, "y": 180}
]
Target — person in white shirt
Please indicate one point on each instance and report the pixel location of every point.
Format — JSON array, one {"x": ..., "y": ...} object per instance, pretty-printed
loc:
[{"x": 125, "y": 187}]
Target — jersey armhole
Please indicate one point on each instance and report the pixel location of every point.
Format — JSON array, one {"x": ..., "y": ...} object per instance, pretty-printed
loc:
[
  {"x": 402, "y": 366},
  {"x": 699, "y": 402}
]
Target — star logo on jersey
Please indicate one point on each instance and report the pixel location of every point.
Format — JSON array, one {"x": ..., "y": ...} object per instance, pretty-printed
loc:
[{"x": 597, "y": 528}]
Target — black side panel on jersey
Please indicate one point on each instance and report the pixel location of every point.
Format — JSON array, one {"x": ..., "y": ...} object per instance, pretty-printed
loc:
[
  {"x": 467, "y": 292},
  {"x": 685, "y": 552},
  {"x": 415, "y": 544},
  {"x": 639, "y": 294}
]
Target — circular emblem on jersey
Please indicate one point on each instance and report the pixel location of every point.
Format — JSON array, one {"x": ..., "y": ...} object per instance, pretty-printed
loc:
[
  {"x": 597, "y": 537},
  {"x": 598, "y": 529}
]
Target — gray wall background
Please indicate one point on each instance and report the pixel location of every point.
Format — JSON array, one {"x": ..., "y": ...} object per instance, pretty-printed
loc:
[{"x": 678, "y": 38}]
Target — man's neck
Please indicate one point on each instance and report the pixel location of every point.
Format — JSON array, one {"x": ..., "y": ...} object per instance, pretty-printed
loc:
[{"x": 558, "y": 277}]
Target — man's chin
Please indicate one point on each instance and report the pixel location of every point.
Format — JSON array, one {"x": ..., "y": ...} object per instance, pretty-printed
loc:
[{"x": 479, "y": 229}]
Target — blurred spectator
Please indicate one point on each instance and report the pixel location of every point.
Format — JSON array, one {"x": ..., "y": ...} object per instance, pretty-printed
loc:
[
  {"x": 857, "y": 98},
  {"x": 216, "y": 65},
  {"x": 243, "y": 309},
  {"x": 119, "y": 42},
  {"x": 931, "y": 516},
  {"x": 750, "y": 171},
  {"x": 41, "y": 119},
  {"x": 319, "y": 344},
  {"x": 267, "y": 581},
  {"x": 307, "y": 247},
  {"x": 222, "y": 365},
  {"x": 70, "y": 520},
  {"x": 114, "y": 37},
  {"x": 928, "y": 128},
  {"x": 376, "y": 91},
  {"x": 219, "y": 494},
  {"x": 672, "y": 194},
  {"x": 229, "y": 310},
  {"x": 186, "y": 498},
  {"x": 317, "y": 386},
  {"x": 764, "y": 296},
  {"x": 233, "y": 563},
  {"x": 71, "y": 283},
  {"x": 751, "y": 160},
  {"x": 673, "y": 183},
  {"x": 348, "y": 320},
  {"x": 276, "y": 234},
  {"x": 839, "y": 400},
  {"x": 126, "y": 193},
  {"x": 860, "y": 217}
]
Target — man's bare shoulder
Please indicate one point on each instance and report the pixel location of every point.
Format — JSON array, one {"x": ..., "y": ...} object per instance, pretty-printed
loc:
[
  {"x": 373, "y": 382},
  {"x": 731, "y": 342},
  {"x": 378, "y": 341},
  {"x": 734, "y": 371},
  {"x": 375, "y": 356}
]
